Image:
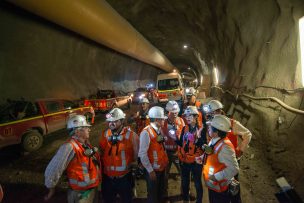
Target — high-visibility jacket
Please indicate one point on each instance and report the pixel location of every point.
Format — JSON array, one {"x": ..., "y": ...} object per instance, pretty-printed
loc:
[
  {"x": 212, "y": 166},
  {"x": 82, "y": 172},
  {"x": 156, "y": 152},
  {"x": 170, "y": 143},
  {"x": 141, "y": 123},
  {"x": 198, "y": 104},
  {"x": 188, "y": 156},
  {"x": 233, "y": 139},
  {"x": 117, "y": 158}
]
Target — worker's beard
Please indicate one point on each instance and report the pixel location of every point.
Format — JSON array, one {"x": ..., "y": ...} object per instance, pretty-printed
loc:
[{"x": 112, "y": 126}]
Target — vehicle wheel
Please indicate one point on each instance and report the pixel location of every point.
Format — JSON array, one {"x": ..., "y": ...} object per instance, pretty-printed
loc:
[
  {"x": 32, "y": 141},
  {"x": 89, "y": 117}
]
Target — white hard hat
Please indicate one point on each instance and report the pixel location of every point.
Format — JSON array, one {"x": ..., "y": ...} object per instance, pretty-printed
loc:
[
  {"x": 77, "y": 121},
  {"x": 191, "y": 110},
  {"x": 221, "y": 123},
  {"x": 215, "y": 105},
  {"x": 144, "y": 100},
  {"x": 157, "y": 112},
  {"x": 115, "y": 114},
  {"x": 191, "y": 91},
  {"x": 172, "y": 106}
]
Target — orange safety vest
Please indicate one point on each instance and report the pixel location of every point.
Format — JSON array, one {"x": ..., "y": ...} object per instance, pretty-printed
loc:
[
  {"x": 141, "y": 123},
  {"x": 212, "y": 166},
  {"x": 117, "y": 158},
  {"x": 198, "y": 104},
  {"x": 188, "y": 157},
  {"x": 233, "y": 139},
  {"x": 156, "y": 152},
  {"x": 82, "y": 173},
  {"x": 170, "y": 143}
]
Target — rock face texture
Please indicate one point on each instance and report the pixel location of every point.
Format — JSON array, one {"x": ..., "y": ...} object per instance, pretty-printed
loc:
[{"x": 254, "y": 44}]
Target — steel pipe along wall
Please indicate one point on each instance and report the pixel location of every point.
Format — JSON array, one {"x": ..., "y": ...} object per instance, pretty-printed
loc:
[{"x": 98, "y": 21}]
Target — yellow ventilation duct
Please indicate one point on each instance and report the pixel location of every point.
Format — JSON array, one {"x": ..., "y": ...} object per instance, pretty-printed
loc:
[{"x": 98, "y": 21}]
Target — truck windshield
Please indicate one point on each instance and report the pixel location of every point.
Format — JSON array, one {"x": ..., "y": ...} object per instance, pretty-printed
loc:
[{"x": 168, "y": 84}]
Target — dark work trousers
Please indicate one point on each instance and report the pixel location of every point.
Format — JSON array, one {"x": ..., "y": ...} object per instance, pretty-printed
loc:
[
  {"x": 155, "y": 189},
  {"x": 113, "y": 186},
  {"x": 173, "y": 158},
  {"x": 196, "y": 170},
  {"x": 219, "y": 197},
  {"x": 237, "y": 198}
]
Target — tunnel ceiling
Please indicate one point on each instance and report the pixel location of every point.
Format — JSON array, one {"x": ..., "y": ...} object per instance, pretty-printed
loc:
[
  {"x": 242, "y": 38},
  {"x": 171, "y": 24}
]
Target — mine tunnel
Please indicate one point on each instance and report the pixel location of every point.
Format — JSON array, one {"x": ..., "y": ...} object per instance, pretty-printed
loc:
[{"x": 249, "y": 55}]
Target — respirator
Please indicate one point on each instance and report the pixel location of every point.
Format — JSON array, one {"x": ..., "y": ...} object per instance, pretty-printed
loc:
[
  {"x": 89, "y": 152},
  {"x": 113, "y": 139}
]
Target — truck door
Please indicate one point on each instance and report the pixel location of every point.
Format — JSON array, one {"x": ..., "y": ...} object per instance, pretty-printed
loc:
[{"x": 55, "y": 117}]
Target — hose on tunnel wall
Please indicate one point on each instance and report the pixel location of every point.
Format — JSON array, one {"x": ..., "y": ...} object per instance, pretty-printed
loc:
[{"x": 287, "y": 107}]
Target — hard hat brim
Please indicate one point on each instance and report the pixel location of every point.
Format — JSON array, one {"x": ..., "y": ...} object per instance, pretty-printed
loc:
[{"x": 209, "y": 123}]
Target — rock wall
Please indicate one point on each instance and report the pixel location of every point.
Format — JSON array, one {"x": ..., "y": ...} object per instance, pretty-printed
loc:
[
  {"x": 258, "y": 54},
  {"x": 39, "y": 59}
]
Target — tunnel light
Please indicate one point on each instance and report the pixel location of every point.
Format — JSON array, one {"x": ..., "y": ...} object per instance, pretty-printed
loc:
[
  {"x": 215, "y": 76},
  {"x": 301, "y": 31},
  {"x": 185, "y": 46},
  {"x": 174, "y": 70}
]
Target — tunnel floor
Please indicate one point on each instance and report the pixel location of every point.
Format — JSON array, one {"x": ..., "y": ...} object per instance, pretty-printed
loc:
[{"x": 22, "y": 176}]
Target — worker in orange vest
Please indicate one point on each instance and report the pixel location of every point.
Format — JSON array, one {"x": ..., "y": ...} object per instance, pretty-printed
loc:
[
  {"x": 191, "y": 98},
  {"x": 237, "y": 130},
  {"x": 141, "y": 117},
  {"x": 81, "y": 162},
  {"x": 172, "y": 130},
  {"x": 119, "y": 145},
  {"x": 141, "y": 120},
  {"x": 220, "y": 163},
  {"x": 153, "y": 155},
  {"x": 189, "y": 147},
  {"x": 191, "y": 101}
]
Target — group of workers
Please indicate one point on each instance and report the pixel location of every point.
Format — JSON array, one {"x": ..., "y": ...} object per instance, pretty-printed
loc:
[{"x": 201, "y": 144}]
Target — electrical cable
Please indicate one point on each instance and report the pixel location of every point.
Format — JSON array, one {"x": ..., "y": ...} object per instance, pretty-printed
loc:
[{"x": 287, "y": 107}]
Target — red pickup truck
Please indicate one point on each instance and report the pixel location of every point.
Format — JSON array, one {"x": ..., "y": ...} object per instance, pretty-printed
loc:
[
  {"x": 105, "y": 100},
  {"x": 26, "y": 123}
]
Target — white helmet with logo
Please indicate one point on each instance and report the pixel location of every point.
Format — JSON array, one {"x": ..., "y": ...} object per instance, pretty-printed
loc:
[
  {"x": 157, "y": 112},
  {"x": 77, "y": 121},
  {"x": 172, "y": 106},
  {"x": 191, "y": 91},
  {"x": 115, "y": 114},
  {"x": 144, "y": 100},
  {"x": 191, "y": 110},
  {"x": 221, "y": 123},
  {"x": 215, "y": 105}
]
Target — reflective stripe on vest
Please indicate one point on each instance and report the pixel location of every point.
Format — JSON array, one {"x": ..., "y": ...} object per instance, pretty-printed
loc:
[
  {"x": 155, "y": 164},
  {"x": 213, "y": 166},
  {"x": 123, "y": 166},
  {"x": 156, "y": 152},
  {"x": 155, "y": 157},
  {"x": 170, "y": 143},
  {"x": 87, "y": 181}
]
